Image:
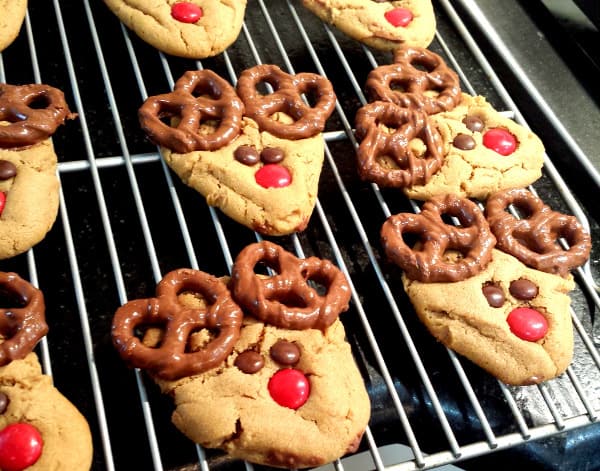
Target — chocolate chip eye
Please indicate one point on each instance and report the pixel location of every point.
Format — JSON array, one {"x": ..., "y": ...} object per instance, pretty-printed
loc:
[
  {"x": 271, "y": 155},
  {"x": 7, "y": 169},
  {"x": 464, "y": 142},
  {"x": 473, "y": 123},
  {"x": 3, "y": 402},
  {"x": 523, "y": 289},
  {"x": 285, "y": 353},
  {"x": 494, "y": 295},
  {"x": 249, "y": 362},
  {"x": 246, "y": 155}
]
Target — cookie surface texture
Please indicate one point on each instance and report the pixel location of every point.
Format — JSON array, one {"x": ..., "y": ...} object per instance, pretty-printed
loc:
[
  {"x": 205, "y": 28},
  {"x": 32, "y": 197},
  {"x": 461, "y": 317},
  {"x": 11, "y": 19},
  {"x": 33, "y": 400},
  {"x": 471, "y": 168},
  {"x": 382, "y": 25},
  {"x": 232, "y": 185},
  {"x": 232, "y": 410}
]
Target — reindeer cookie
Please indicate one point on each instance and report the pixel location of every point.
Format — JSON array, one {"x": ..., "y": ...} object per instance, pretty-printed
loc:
[
  {"x": 257, "y": 365},
  {"x": 381, "y": 24},
  {"x": 420, "y": 133},
  {"x": 257, "y": 157},
  {"x": 13, "y": 14},
  {"x": 39, "y": 428},
  {"x": 494, "y": 290},
  {"x": 29, "y": 189},
  {"x": 195, "y": 29}
]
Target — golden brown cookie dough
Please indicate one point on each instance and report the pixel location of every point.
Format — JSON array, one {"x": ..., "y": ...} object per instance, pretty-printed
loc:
[
  {"x": 32, "y": 197},
  {"x": 228, "y": 409},
  {"x": 366, "y": 21},
  {"x": 11, "y": 19},
  {"x": 216, "y": 29},
  {"x": 459, "y": 315},
  {"x": 480, "y": 171},
  {"x": 231, "y": 185},
  {"x": 32, "y": 399}
]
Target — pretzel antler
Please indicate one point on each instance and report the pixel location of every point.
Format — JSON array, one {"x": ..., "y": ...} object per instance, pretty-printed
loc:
[
  {"x": 34, "y": 112},
  {"x": 198, "y": 97},
  {"x": 534, "y": 239},
  {"x": 21, "y": 327},
  {"x": 172, "y": 359},
  {"x": 287, "y": 299},
  {"x": 286, "y": 97},
  {"x": 405, "y": 83},
  {"x": 428, "y": 261}
]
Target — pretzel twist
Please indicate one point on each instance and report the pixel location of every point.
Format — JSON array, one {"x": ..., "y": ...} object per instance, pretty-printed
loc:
[
  {"x": 33, "y": 112},
  {"x": 21, "y": 327},
  {"x": 198, "y": 96},
  {"x": 287, "y": 299},
  {"x": 386, "y": 131},
  {"x": 432, "y": 90},
  {"x": 172, "y": 358},
  {"x": 286, "y": 97},
  {"x": 535, "y": 239},
  {"x": 429, "y": 261}
]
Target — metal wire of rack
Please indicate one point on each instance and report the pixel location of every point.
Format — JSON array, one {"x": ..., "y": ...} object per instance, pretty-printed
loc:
[{"x": 124, "y": 221}]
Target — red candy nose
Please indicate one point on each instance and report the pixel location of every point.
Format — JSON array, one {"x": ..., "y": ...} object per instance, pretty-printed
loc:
[
  {"x": 399, "y": 16},
  {"x": 2, "y": 201},
  {"x": 289, "y": 388},
  {"x": 273, "y": 176},
  {"x": 500, "y": 140},
  {"x": 186, "y": 12},
  {"x": 20, "y": 446},
  {"x": 527, "y": 324}
]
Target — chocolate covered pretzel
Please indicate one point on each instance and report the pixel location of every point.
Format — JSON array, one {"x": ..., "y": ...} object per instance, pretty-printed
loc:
[
  {"x": 418, "y": 79},
  {"x": 172, "y": 358},
  {"x": 430, "y": 260},
  {"x": 286, "y": 298},
  {"x": 33, "y": 112},
  {"x": 286, "y": 97},
  {"x": 535, "y": 237},
  {"x": 23, "y": 324},
  {"x": 387, "y": 154}
]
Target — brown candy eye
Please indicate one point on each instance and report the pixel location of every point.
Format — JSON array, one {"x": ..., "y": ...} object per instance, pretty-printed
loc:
[
  {"x": 271, "y": 155},
  {"x": 463, "y": 142},
  {"x": 473, "y": 123},
  {"x": 523, "y": 290},
  {"x": 285, "y": 353},
  {"x": 249, "y": 361},
  {"x": 3, "y": 402},
  {"x": 7, "y": 169},
  {"x": 494, "y": 295},
  {"x": 246, "y": 155}
]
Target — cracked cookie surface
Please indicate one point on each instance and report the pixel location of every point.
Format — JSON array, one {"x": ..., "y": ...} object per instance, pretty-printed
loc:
[
  {"x": 215, "y": 26},
  {"x": 32, "y": 197},
  {"x": 232, "y": 410},
  {"x": 382, "y": 25},
  {"x": 231, "y": 185},
  {"x": 472, "y": 169},
  {"x": 461, "y": 317}
]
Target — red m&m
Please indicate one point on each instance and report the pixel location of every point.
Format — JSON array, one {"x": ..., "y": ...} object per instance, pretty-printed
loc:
[
  {"x": 2, "y": 201},
  {"x": 527, "y": 324},
  {"x": 289, "y": 388},
  {"x": 500, "y": 140},
  {"x": 186, "y": 12},
  {"x": 20, "y": 446},
  {"x": 273, "y": 176},
  {"x": 399, "y": 16}
]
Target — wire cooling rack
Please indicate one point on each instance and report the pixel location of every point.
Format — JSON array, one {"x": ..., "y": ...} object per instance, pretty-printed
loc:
[{"x": 125, "y": 220}]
